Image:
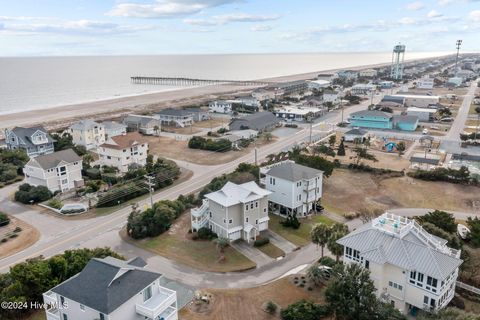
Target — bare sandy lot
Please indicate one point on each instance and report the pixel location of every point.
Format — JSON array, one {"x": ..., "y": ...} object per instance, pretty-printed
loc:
[
  {"x": 179, "y": 150},
  {"x": 27, "y": 237},
  {"x": 347, "y": 191},
  {"x": 231, "y": 304}
]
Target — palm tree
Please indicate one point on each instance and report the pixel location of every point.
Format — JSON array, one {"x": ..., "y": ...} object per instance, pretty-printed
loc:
[
  {"x": 333, "y": 246},
  {"x": 320, "y": 235},
  {"x": 156, "y": 129},
  {"x": 221, "y": 243}
]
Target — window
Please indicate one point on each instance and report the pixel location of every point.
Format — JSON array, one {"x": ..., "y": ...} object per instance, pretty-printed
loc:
[
  {"x": 210, "y": 214},
  {"x": 147, "y": 293},
  {"x": 256, "y": 204},
  {"x": 230, "y": 221},
  {"x": 82, "y": 307},
  {"x": 264, "y": 209},
  {"x": 431, "y": 284},
  {"x": 432, "y": 303},
  {"x": 65, "y": 317},
  {"x": 390, "y": 283},
  {"x": 251, "y": 205},
  {"x": 108, "y": 157},
  {"x": 102, "y": 316},
  {"x": 62, "y": 300},
  {"x": 299, "y": 197},
  {"x": 246, "y": 219},
  {"x": 256, "y": 221},
  {"x": 413, "y": 276},
  {"x": 400, "y": 287},
  {"x": 367, "y": 264},
  {"x": 246, "y": 207}
]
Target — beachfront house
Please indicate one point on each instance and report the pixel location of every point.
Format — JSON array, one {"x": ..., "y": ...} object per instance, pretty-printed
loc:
[
  {"x": 234, "y": 212},
  {"x": 144, "y": 124},
  {"x": 346, "y": 74},
  {"x": 295, "y": 189},
  {"x": 35, "y": 141},
  {"x": 290, "y": 113},
  {"x": 221, "y": 106},
  {"x": 410, "y": 268},
  {"x": 112, "y": 289},
  {"x": 367, "y": 73},
  {"x": 425, "y": 83},
  {"x": 288, "y": 88},
  {"x": 113, "y": 129},
  {"x": 124, "y": 152},
  {"x": 199, "y": 114},
  {"x": 175, "y": 117},
  {"x": 318, "y": 84},
  {"x": 87, "y": 133},
  {"x": 248, "y": 100},
  {"x": 363, "y": 89},
  {"x": 259, "y": 121},
  {"x": 58, "y": 171}
]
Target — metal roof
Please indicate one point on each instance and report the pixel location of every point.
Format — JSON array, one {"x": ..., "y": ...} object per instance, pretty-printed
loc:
[
  {"x": 371, "y": 113},
  {"x": 232, "y": 194},
  {"x": 409, "y": 252},
  {"x": 106, "y": 284},
  {"x": 86, "y": 124}
]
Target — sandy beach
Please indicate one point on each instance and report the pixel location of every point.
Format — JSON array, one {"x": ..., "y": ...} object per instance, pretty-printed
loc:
[{"x": 59, "y": 117}]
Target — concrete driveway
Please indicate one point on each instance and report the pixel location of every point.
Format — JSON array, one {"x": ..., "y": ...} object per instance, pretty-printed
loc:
[
  {"x": 280, "y": 242},
  {"x": 252, "y": 253}
]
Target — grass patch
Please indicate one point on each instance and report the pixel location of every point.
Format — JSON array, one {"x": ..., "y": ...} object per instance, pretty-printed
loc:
[
  {"x": 271, "y": 250},
  {"x": 300, "y": 236},
  {"x": 201, "y": 255}
]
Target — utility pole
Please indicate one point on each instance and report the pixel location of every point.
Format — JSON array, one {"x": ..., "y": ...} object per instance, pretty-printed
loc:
[
  {"x": 311, "y": 125},
  {"x": 150, "y": 185},
  {"x": 458, "y": 45}
]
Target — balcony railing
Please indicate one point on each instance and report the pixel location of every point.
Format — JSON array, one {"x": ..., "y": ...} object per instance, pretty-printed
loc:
[
  {"x": 50, "y": 298},
  {"x": 52, "y": 314},
  {"x": 162, "y": 301}
]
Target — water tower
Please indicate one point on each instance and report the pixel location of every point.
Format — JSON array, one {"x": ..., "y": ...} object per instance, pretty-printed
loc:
[{"x": 398, "y": 56}]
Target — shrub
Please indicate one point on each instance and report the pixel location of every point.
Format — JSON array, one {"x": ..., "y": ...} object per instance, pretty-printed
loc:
[
  {"x": 28, "y": 194},
  {"x": 206, "y": 234},
  {"x": 327, "y": 261},
  {"x": 261, "y": 242},
  {"x": 4, "y": 219},
  {"x": 93, "y": 174},
  {"x": 271, "y": 307},
  {"x": 304, "y": 310},
  {"x": 461, "y": 175},
  {"x": 4, "y": 240},
  {"x": 291, "y": 222},
  {"x": 17, "y": 229},
  {"x": 219, "y": 145},
  {"x": 13, "y": 235},
  {"x": 55, "y": 203}
]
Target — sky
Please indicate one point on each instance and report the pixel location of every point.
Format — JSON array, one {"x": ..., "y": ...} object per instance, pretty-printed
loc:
[{"x": 128, "y": 27}]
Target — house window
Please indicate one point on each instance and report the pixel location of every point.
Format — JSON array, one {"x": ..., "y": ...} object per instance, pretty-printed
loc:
[
  {"x": 62, "y": 300},
  {"x": 251, "y": 205},
  {"x": 367, "y": 264},
  {"x": 210, "y": 214},
  {"x": 108, "y": 157},
  {"x": 246, "y": 219},
  {"x": 273, "y": 181},
  {"x": 246, "y": 207},
  {"x": 413, "y": 276},
  {"x": 65, "y": 317},
  {"x": 82, "y": 307},
  {"x": 299, "y": 197},
  {"x": 256, "y": 204},
  {"x": 431, "y": 284},
  {"x": 147, "y": 293},
  {"x": 264, "y": 209},
  {"x": 256, "y": 221},
  {"x": 425, "y": 299},
  {"x": 102, "y": 316}
]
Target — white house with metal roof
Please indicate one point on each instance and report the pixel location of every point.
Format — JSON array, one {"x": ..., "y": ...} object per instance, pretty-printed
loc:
[
  {"x": 411, "y": 268},
  {"x": 112, "y": 289},
  {"x": 87, "y": 133},
  {"x": 234, "y": 212},
  {"x": 58, "y": 171},
  {"x": 295, "y": 189}
]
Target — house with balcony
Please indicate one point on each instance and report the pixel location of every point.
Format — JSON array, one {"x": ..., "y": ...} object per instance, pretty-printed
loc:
[
  {"x": 221, "y": 106},
  {"x": 112, "y": 289},
  {"x": 411, "y": 268},
  {"x": 113, "y": 129},
  {"x": 124, "y": 152},
  {"x": 234, "y": 212},
  {"x": 294, "y": 189},
  {"x": 372, "y": 119},
  {"x": 175, "y": 117},
  {"x": 143, "y": 124},
  {"x": 87, "y": 133},
  {"x": 58, "y": 171},
  {"x": 35, "y": 141}
]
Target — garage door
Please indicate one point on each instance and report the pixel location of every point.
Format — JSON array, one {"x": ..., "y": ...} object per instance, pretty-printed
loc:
[{"x": 235, "y": 235}]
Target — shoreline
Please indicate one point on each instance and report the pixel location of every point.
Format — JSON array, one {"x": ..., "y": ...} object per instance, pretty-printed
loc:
[{"x": 111, "y": 108}]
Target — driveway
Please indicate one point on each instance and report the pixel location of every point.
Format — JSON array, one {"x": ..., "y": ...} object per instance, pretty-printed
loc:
[
  {"x": 280, "y": 242},
  {"x": 252, "y": 253}
]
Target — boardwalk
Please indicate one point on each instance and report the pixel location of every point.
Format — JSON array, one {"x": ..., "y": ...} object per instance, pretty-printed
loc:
[{"x": 173, "y": 81}]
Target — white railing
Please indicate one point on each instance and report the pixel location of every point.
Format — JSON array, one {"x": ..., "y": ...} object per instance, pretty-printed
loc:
[
  {"x": 158, "y": 303},
  {"x": 468, "y": 287},
  {"x": 52, "y": 314},
  {"x": 50, "y": 298},
  {"x": 200, "y": 211}
]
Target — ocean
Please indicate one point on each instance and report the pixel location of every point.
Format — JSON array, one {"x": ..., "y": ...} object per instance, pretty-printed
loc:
[{"x": 46, "y": 82}]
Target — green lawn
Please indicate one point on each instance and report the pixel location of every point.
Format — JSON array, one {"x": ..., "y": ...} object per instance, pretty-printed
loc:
[
  {"x": 271, "y": 250},
  {"x": 300, "y": 236},
  {"x": 198, "y": 254}
]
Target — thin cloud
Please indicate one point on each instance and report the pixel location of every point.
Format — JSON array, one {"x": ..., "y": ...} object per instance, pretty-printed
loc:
[
  {"x": 261, "y": 28},
  {"x": 407, "y": 21},
  {"x": 434, "y": 14},
  {"x": 415, "y": 6},
  {"x": 164, "y": 9},
  {"x": 474, "y": 16},
  {"x": 230, "y": 18}
]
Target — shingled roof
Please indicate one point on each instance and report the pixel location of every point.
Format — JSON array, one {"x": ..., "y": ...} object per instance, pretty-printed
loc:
[
  {"x": 106, "y": 284},
  {"x": 124, "y": 141},
  {"x": 52, "y": 160},
  {"x": 293, "y": 172}
]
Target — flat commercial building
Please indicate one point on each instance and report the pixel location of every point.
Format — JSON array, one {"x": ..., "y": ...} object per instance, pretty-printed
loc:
[{"x": 423, "y": 114}]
